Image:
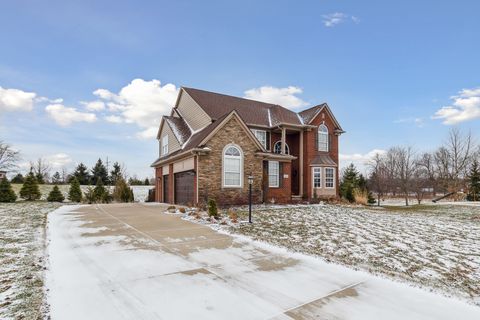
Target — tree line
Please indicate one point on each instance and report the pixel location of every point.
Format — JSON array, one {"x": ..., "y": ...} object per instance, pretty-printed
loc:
[{"x": 452, "y": 169}]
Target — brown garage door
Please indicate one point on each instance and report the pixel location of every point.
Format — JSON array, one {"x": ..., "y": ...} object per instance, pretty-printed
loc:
[
  {"x": 165, "y": 189},
  {"x": 184, "y": 187}
]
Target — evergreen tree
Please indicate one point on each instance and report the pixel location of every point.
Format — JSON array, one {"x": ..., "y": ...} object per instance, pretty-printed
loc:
[
  {"x": 474, "y": 182},
  {"x": 40, "y": 178},
  {"x": 116, "y": 173},
  {"x": 99, "y": 191},
  {"x": 99, "y": 171},
  {"x": 147, "y": 182},
  {"x": 349, "y": 183},
  {"x": 82, "y": 175},
  {"x": 30, "y": 190},
  {"x": 56, "y": 178},
  {"x": 6, "y": 192},
  {"x": 122, "y": 193},
  {"x": 18, "y": 179},
  {"x": 75, "y": 193},
  {"x": 55, "y": 195}
]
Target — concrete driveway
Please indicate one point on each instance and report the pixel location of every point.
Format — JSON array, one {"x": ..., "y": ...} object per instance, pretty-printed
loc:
[{"x": 133, "y": 261}]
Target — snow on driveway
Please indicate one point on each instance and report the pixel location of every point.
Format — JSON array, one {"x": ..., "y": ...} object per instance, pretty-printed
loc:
[{"x": 132, "y": 261}]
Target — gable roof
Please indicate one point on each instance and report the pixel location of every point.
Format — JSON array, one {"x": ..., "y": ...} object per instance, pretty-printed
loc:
[
  {"x": 179, "y": 128},
  {"x": 200, "y": 138},
  {"x": 309, "y": 114},
  {"x": 251, "y": 111}
]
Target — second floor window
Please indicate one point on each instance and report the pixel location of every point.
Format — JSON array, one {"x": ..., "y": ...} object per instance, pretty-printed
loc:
[
  {"x": 323, "y": 138},
  {"x": 165, "y": 145},
  {"x": 277, "y": 148},
  {"x": 261, "y": 135}
]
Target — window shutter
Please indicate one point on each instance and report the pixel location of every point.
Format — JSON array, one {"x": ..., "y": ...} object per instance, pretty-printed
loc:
[{"x": 280, "y": 174}]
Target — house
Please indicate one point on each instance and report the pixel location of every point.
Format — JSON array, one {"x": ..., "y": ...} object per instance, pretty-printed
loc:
[
  {"x": 211, "y": 143},
  {"x": 3, "y": 174}
]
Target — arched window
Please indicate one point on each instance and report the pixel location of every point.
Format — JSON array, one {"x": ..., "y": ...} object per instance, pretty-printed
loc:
[
  {"x": 277, "y": 148},
  {"x": 322, "y": 138},
  {"x": 232, "y": 166}
]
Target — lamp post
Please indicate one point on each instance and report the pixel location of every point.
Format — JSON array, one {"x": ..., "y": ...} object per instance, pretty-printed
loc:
[{"x": 250, "y": 182}]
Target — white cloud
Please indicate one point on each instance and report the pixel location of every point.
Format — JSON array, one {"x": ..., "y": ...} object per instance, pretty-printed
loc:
[
  {"x": 16, "y": 100},
  {"x": 65, "y": 116},
  {"x": 142, "y": 103},
  {"x": 59, "y": 160},
  {"x": 93, "y": 105},
  {"x": 333, "y": 19},
  {"x": 114, "y": 119},
  {"x": 285, "y": 97},
  {"x": 360, "y": 160},
  {"x": 419, "y": 122},
  {"x": 465, "y": 107}
]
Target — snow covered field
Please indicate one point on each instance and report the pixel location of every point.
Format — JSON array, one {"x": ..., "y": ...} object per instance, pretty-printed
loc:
[
  {"x": 431, "y": 246},
  {"x": 22, "y": 259}
]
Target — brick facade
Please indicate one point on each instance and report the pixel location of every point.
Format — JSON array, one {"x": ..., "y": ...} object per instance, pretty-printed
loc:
[
  {"x": 210, "y": 174},
  {"x": 311, "y": 151},
  {"x": 282, "y": 194}
]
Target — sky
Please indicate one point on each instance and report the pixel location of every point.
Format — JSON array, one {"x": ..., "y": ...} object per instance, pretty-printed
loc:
[{"x": 82, "y": 80}]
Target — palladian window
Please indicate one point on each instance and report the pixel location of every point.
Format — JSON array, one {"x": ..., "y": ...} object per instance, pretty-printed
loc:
[
  {"x": 232, "y": 166},
  {"x": 322, "y": 138},
  {"x": 277, "y": 148}
]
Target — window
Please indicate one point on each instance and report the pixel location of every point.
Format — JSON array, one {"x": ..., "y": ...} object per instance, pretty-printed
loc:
[
  {"x": 261, "y": 135},
  {"x": 232, "y": 166},
  {"x": 322, "y": 138},
  {"x": 273, "y": 174},
  {"x": 165, "y": 145},
  {"x": 329, "y": 177},
  {"x": 317, "y": 177},
  {"x": 277, "y": 148}
]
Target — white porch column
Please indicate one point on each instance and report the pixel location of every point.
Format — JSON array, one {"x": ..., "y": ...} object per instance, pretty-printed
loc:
[{"x": 283, "y": 139}]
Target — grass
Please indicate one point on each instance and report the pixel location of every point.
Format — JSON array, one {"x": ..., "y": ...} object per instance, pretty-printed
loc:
[
  {"x": 22, "y": 259},
  {"x": 431, "y": 246}
]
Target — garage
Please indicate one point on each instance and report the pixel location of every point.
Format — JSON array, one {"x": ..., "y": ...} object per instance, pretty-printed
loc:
[
  {"x": 184, "y": 187},
  {"x": 166, "y": 199}
]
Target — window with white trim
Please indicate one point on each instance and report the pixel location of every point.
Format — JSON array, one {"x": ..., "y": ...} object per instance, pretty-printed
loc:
[
  {"x": 232, "y": 167},
  {"x": 322, "y": 138},
  {"x": 165, "y": 145},
  {"x": 317, "y": 177},
  {"x": 277, "y": 148},
  {"x": 261, "y": 135},
  {"x": 273, "y": 174},
  {"x": 329, "y": 178}
]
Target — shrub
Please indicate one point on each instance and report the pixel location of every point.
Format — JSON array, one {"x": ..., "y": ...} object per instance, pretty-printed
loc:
[
  {"x": 90, "y": 195},
  {"x": 30, "y": 190},
  {"x": 212, "y": 208},
  {"x": 6, "y": 192},
  {"x": 75, "y": 193},
  {"x": 232, "y": 214},
  {"x": 182, "y": 210},
  {"x": 122, "y": 193},
  {"x": 18, "y": 179},
  {"x": 99, "y": 191},
  {"x": 55, "y": 195}
]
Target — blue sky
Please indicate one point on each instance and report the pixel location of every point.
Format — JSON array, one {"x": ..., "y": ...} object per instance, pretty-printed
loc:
[{"x": 385, "y": 68}]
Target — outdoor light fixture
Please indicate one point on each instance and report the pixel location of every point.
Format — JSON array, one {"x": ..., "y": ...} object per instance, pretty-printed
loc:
[{"x": 250, "y": 182}]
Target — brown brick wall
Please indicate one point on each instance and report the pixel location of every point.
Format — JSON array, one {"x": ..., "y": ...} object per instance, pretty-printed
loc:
[
  {"x": 211, "y": 172},
  {"x": 283, "y": 193},
  {"x": 309, "y": 143},
  {"x": 158, "y": 184}
]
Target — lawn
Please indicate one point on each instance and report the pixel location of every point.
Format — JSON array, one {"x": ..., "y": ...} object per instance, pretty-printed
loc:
[
  {"x": 22, "y": 259},
  {"x": 435, "y": 247}
]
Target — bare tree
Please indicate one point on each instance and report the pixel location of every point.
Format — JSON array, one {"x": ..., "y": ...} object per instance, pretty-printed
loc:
[
  {"x": 378, "y": 175},
  {"x": 405, "y": 168},
  {"x": 425, "y": 164},
  {"x": 41, "y": 168},
  {"x": 8, "y": 157},
  {"x": 460, "y": 149},
  {"x": 422, "y": 179}
]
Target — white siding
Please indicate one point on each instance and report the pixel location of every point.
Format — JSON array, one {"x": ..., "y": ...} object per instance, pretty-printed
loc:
[
  {"x": 165, "y": 170},
  {"x": 192, "y": 112}
]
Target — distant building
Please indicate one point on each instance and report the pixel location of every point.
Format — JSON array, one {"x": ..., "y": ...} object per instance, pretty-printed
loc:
[{"x": 3, "y": 174}]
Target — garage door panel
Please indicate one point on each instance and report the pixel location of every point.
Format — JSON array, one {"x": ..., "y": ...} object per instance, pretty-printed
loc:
[{"x": 184, "y": 186}]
